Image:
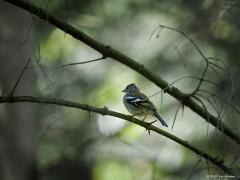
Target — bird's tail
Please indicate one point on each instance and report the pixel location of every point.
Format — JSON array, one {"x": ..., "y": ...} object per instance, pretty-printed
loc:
[{"x": 160, "y": 119}]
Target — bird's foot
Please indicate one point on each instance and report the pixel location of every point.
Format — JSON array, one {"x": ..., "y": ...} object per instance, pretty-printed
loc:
[
  {"x": 144, "y": 118},
  {"x": 148, "y": 127}
]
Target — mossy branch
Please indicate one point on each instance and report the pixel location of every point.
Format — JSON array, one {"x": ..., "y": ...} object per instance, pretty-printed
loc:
[{"x": 105, "y": 111}]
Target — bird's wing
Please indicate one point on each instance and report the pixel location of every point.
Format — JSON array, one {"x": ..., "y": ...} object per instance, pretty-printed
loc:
[
  {"x": 140, "y": 99},
  {"x": 136, "y": 99},
  {"x": 149, "y": 106}
]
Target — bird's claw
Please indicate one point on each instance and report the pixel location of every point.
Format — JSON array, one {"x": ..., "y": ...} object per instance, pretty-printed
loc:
[{"x": 148, "y": 127}]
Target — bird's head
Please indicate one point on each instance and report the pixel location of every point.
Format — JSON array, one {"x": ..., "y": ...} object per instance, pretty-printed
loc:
[{"x": 131, "y": 88}]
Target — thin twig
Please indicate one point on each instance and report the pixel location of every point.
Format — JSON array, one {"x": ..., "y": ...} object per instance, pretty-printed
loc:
[
  {"x": 183, "y": 78},
  {"x": 221, "y": 99},
  {"x": 193, "y": 169},
  {"x": 85, "y": 62},
  {"x": 204, "y": 106},
  {"x": 225, "y": 68},
  {"x": 187, "y": 37},
  {"x": 3, "y": 91},
  {"x": 19, "y": 77},
  {"x": 180, "y": 56},
  {"x": 201, "y": 80},
  {"x": 27, "y": 36},
  {"x": 175, "y": 115},
  {"x": 43, "y": 71}
]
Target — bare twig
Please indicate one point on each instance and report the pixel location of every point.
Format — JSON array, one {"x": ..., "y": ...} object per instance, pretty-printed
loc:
[
  {"x": 194, "y": 169},
  {"x": 225, "y": 69},
  {"x": 221, "y": 99},
  {"x": 216, "y": 72},
  {"x": 201, "y": 80},
  {"x": 27, "y": 35},
  {"x": 204, "y": 106},
  {"x": 175, "y": 115},
  {"x": 187, "y": 77},
  {"x": 208, "y": 100},
  {"x": 19, "y": 77},
  {"x": 217, "y": 66},
  {"x": 3, "y": 91},
  {"x": 180, "y": 56},
  {"x": 43, "y": 71},
  {"x": 151, "y": 35},
  {"x": 85, "y": 62},
  {"x": 187, "y": 37}
]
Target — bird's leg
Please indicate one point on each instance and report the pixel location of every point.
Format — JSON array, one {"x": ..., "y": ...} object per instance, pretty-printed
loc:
[
  {"x": 144, "y": 118},
  {"x": 137, "y": 114},
  {"x": 148, "y": 127},
  {"x": 149, "y": 124},
  {"x": 152, "y": 122}
]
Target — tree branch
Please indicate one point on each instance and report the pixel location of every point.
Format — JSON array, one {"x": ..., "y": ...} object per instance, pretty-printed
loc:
[
  {"x": 104, "y": 111},
  {"x": 84, "y": 62},
  {"x": 20, "y": 76},
  {"x": 107, "y": 51}
]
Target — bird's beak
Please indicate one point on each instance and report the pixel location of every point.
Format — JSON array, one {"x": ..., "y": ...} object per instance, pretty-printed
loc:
[{"x": 124, "y": 90}]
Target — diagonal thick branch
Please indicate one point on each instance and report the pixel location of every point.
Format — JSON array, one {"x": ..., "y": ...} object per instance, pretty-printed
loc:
[
  {"x": 104, "y": 111},
  {"x": 107, "y": 51}
]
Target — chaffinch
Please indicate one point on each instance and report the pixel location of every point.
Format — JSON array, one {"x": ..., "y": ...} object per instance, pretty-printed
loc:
[{"x": 138, "y": 103}]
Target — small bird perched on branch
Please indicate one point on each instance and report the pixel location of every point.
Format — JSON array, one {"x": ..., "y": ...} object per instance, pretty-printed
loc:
[{"x": 138, "y": 103}]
